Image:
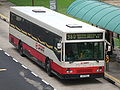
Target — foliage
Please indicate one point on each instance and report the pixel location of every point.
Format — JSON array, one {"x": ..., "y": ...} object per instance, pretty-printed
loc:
[
  {"x": 117, "y": 42},
  {"x": 62, "y": 4}
]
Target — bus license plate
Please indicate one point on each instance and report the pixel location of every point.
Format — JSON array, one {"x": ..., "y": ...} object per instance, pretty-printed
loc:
[{"x": 84, "y": 76}]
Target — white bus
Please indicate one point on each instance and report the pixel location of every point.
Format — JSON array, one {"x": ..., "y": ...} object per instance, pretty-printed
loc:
[{"x": 64, "y": 46}]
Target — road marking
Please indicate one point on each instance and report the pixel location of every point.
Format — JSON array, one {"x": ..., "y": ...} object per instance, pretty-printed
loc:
[
  {"x": 24, "y": 66},
  {"x": 3, "y": 69},
  {"x": 0, "y": 49},
  {"x": 34, "y": 74},
  {"x": 15, "y": 60},
  {"x": 45, "y": 82},
  {"x": 7, "y": 54},
  {"x": 113, "y": 78},
  {"x": 4, "y": 18}
]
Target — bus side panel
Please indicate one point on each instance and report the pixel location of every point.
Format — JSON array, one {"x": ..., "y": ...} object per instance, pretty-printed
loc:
[
  {"x": 13, "y": 40},
  {"x": 34, "y": 53}
]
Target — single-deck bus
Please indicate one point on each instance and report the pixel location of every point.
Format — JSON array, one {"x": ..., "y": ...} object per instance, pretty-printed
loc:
[{"x": 64, "y": 46}]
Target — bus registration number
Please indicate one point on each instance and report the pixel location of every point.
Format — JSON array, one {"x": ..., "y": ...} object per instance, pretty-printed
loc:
[{"x": 84, "y": 76}]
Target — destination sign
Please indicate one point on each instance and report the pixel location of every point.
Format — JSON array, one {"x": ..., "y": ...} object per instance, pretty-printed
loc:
[{"x": 83, "y": 36}]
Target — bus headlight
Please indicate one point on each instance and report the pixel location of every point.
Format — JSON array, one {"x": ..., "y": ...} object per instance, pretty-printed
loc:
[
  {"x": 99, "y": 70},
  {"x": 69, "y": 71}
]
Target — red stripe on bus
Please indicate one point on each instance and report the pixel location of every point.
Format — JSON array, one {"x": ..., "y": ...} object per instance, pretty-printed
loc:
[
  {"x": 34, "y": 53},
  {"x": 15, "y": 40},
  {"x": 78, "y": 70}
]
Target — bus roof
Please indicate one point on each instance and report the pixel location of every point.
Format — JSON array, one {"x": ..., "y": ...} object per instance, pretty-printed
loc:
[{"x": 61, "y": 23}]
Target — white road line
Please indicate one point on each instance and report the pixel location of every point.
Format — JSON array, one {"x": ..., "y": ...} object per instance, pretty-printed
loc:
[
  {"x": 34, "y": 74},
  {"x": 15, "y": 60},
  {"x": 27, "y": 68},
  {"x": 24, "y": 66},
  {"x": 45, "y": 82},
  {"x": 7, "y": 54}
]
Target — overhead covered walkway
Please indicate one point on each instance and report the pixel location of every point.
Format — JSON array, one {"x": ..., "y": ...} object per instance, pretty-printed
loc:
[{"x": 99, "y": 13}]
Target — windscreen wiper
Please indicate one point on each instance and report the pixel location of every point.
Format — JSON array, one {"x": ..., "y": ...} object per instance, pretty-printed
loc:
[
  {"x": 71, "y": 61},
  {"x": 97, "y": 60}
]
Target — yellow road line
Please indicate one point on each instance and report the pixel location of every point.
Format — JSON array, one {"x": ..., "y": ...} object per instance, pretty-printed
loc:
[
  {"x": 3, "y": 69},
  {"x": 113, "y": 78},
  {"x": 1, "y": 3},
  {"x": 4, "y": 17}
]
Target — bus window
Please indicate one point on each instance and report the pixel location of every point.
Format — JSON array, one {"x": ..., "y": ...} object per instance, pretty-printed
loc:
[{"x": 84, "y": 51}]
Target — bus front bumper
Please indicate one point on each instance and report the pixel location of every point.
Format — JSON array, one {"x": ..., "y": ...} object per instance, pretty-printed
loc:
[{"x": 80, "y": 76}]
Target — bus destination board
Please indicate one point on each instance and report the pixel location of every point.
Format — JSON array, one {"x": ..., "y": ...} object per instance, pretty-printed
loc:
[{"x": 83, "y": 36}]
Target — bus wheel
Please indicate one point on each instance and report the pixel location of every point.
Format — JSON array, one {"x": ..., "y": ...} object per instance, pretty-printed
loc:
[
  {"x": 20, "y": 49},
  {"x": 48, "y": 68}
]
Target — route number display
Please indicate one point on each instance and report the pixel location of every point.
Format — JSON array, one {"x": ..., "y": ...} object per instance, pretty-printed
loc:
[{"x": 83, "y": 36}]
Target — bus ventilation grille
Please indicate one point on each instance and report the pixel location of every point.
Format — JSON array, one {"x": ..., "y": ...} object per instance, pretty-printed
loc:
[
  {"x": 38, "y": 11},
  {"x": 74, "y": 26},
  {"x": 84, "y": 70}
]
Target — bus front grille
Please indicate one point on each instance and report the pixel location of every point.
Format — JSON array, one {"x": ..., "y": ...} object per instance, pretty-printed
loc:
[{"x": 84, "y": 70}]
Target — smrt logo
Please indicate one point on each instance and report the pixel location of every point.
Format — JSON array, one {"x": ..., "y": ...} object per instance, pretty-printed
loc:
[{"x": 39, "y": 47}]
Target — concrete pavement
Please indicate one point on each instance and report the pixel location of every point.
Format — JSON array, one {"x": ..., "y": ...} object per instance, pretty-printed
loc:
[
  {"x": 114, "y": 65},
  {"x": 5, "y": 9},
  {"x": 114, "y": 72}
]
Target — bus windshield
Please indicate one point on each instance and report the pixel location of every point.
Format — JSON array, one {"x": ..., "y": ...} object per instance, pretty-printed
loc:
[{"x": 84, "y": 51}]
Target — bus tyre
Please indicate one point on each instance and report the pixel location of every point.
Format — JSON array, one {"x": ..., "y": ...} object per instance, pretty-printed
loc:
[
  {"x": 20, "y": 49},
  {"x": 48, "y": 68}
]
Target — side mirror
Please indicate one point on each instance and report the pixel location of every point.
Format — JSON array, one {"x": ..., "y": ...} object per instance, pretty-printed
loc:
[
  {"x": 59, "y": 45},
  {"x": 109, "y": 48}
]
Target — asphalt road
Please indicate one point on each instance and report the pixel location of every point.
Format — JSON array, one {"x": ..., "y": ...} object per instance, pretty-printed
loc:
[
  {"x": 82, "y": 84},
  {"x": 15, "y": 76}
]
